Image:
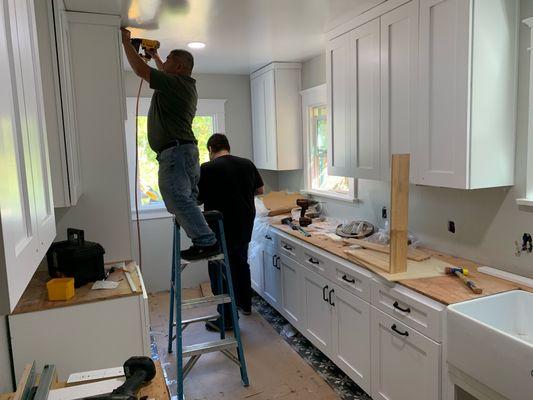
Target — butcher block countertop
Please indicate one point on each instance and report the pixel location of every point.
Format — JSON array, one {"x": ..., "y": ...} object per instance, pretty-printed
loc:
[
  {"x": 35, "y": 298},
  {"x": 447, "y": 289}
]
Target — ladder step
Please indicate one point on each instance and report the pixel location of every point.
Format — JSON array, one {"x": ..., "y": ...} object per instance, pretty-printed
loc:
[
  {"x": 204, "y": 301},
  {"x": 200, "y": 319},
  {"x": 209, "y": 347}
]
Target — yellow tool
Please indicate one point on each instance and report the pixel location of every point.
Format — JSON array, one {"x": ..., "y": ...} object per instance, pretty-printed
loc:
[{"x": 145, "y": 44}]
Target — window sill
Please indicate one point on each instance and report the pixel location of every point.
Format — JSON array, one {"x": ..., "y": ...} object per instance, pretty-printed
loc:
[
  {"x": 151, "y": 213},
  {"x": 525, "y": 202},
  {"x": 347, "y": 198}
]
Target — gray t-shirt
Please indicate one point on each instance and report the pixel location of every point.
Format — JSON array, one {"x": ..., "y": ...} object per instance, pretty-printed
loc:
[{"x": 172, "y": 109}]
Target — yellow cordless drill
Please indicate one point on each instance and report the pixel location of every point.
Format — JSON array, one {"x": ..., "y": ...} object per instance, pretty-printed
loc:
[{"x": 145, "y": 44}]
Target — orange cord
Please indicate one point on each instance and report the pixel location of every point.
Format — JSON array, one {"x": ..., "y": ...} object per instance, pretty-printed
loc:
[{"x": 137, "y": 174}]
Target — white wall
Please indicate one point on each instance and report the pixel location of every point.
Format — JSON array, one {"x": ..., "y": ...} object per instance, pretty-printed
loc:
[
  {"x": 487, "y": 221},
  {"x": 156, "y": 234}
]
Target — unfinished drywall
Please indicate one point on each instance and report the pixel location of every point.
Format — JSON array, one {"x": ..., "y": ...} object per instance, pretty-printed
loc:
[
  {"x": 156, "y": 234},
  {"x": 487, "y": 221}
]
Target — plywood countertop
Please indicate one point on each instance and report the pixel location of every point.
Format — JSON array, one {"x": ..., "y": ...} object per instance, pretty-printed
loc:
[
  {"x": 444, "y": 289},
  {"x": 35, "y": 297}
]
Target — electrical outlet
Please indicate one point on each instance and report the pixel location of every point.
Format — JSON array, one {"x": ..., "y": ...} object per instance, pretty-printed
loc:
[
  {"x": 451, "y": 226},
  {"x": 384, "y": 212}
]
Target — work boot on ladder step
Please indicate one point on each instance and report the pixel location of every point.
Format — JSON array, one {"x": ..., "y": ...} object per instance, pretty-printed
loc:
[{"x": 200, "y": 252}]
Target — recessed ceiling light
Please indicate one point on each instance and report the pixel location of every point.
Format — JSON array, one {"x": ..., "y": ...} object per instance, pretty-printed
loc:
[{"x": 196, "y": 45}]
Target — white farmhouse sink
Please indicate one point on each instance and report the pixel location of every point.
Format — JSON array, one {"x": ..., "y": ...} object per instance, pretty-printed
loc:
[{"x": 491, "y": 340}]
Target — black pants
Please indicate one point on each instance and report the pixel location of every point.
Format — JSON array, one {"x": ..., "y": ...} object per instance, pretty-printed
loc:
[{"x": 240, "y": 274}]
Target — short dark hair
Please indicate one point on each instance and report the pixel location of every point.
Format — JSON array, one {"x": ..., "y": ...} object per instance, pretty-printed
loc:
[
  {"x": 218, "y": 142},
  {"x": 185, "y": 57}
]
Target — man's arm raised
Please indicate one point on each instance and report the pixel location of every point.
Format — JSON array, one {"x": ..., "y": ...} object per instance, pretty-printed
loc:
[
  {"x": 136, "y": 62},
  {"x": 157, "y": 59}
]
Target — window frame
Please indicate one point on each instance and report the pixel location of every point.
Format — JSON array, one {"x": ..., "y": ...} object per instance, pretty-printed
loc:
[
  {"x": 206, "y": 107},
  {"x": 315, "y": 97},
  {"x": 528, "y": 200}
]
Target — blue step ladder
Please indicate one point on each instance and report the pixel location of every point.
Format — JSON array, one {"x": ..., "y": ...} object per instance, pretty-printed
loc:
[{"x": 177, "y": 305}]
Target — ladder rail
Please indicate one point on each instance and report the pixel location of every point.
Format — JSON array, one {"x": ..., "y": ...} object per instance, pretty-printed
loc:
[{"x": 177, "y": 305}]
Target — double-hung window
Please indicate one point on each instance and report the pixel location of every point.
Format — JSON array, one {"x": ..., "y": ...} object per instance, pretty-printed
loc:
[
  {"x": 209, "y": 119},
  {"x": 316, "y": 178}
]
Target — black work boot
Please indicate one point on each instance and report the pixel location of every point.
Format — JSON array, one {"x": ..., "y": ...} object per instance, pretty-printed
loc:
[{"x": 200, "y": 252}]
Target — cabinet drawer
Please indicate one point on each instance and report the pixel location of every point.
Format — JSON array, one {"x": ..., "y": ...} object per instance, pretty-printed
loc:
[
  {"x": 270, "y": 238},
  {"x": 315, "y": 261},
  {"x": 289, "y": 247},
  {"x": 411, "y": 308},
  {"x": 354, "y": 279},
  {"x": 404, "y": 363}
]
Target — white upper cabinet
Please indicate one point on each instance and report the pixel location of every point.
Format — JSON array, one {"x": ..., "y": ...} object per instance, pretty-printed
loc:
[
  {"x": 276, "y": 117},
  {"x": 26, "y": 204},
  {"x": 365, "y": 101},
  {"x": 61, "y": 120},
  {"x": 421, "y": 77},
  {"x": 399, "y": 57},
  {"x": 468, "y": 80}
]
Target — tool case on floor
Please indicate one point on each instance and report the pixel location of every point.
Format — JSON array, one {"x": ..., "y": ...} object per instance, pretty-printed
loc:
[{"x": 76, "y": 258}]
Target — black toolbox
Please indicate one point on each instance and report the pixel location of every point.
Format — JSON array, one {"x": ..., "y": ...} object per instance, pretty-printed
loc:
[{"x": 76, "y": 258}]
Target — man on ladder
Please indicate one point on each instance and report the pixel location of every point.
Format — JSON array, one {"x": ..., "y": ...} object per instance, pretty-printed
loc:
[{"x": 170, "y": 135}]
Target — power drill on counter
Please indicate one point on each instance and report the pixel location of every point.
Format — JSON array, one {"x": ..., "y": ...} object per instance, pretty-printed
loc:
[{"x": 145, "y": 44}]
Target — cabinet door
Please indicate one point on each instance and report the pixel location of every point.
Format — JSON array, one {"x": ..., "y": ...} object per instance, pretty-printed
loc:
[
  {"x": 271, "y": 277},
  {"x": 256, "y": 268},
  {"x": 443, "y": 142},
  {"x": 365, "y": 102},
  {"x": 28, "y": 223},
  {"x": 405, "y": 364},
  {"x": 317, "y": 311},
  {"x": 399, "y": 57},
  {"x": 66, "y": 105},
  {"x": 258, "y": 122},
  {"x": 338, "y": 62},
  {"x": 291, "y": 291},
  {"x": 351, "y": 336},
  {"x": 264, "y": 121}
]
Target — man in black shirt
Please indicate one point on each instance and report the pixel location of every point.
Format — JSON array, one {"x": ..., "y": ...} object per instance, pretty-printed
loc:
[{"x": 228, "y": 184}]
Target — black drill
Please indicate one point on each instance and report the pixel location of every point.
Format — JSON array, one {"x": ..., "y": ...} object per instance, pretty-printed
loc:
[{"x": 138, "y": 370}]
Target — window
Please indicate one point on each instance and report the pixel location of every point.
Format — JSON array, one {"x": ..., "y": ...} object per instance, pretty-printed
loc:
[
  {"x": 209, "y": 119},
  {"x": 316, "y": 178}
]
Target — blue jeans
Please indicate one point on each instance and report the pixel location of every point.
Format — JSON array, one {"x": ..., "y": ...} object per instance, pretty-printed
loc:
[{"x": 179, "y": 173}]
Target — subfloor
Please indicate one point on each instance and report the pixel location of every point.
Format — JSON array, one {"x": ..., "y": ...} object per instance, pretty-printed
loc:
[{"x": 282, "y": 364}]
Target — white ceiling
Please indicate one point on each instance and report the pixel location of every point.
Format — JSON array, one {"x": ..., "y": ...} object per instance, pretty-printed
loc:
[{"x": 241, "y": 35}]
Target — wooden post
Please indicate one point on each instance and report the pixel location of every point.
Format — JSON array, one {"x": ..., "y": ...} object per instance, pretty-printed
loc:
[{"x": 399, "y": 210}]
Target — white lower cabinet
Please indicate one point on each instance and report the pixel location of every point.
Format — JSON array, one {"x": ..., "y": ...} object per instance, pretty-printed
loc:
[
  {"x": 405, "y": 364},
  {"x": 271, "y": 277},
  {"x": 256, "y": 269},
  {"x": 291, "y": 292},
  {"x": 317, "y": 311},
  {"x": 351, "y": 336},
  {"x": 387, "y": 353}
]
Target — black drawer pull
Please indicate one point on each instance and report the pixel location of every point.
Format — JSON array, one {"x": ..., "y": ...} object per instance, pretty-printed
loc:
[
  {"x": 287, "y": 247},
  {"x": 345, "y": 278},
  {"x": 268, "y": 237},
  {"x": 393, "y": 327},
  {"x": 313, "y": 261},
  {"x": 397, "y": 306},
  {"x": 324, "y": 289},
  {"x": 329, "y": 297}
]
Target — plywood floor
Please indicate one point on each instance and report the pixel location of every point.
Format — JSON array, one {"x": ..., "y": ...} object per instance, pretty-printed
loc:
[{"x": 275, "y": 370}]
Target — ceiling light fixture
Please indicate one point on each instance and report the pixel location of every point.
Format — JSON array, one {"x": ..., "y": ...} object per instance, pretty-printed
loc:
[{"x": 196, "y": 45}]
